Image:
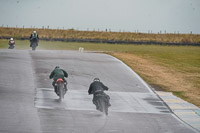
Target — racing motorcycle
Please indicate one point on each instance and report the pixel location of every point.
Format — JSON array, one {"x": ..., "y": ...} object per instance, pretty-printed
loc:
[
  {"x": 34, "y": 43},
  {"x": 11, "y": 45},
  {"x": 101, "y": 100},
  {"x": 61, "y": 88}
]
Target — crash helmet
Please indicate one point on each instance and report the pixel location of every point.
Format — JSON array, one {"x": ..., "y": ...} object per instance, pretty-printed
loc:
[
  {"x": 96, "y": 79},
  {"x": 34, "y": 31},
  {"x": 11, "y": 39}
]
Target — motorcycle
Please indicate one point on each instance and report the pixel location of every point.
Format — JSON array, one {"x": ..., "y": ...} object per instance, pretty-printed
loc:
[
  {"x": 61, "y": 88},
  {"x": 101, "y": 100},
  {"x": 11, "y": 45},
  {"x": 34, "y": 43}
]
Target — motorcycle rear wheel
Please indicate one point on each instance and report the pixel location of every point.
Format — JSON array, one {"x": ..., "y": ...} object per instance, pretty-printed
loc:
[
  {"x": 61, "y": 93},
  {"x": 102, "y": 105}
]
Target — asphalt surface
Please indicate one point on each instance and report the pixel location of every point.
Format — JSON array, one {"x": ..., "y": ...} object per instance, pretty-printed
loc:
[{"x": 29, "y": 105}]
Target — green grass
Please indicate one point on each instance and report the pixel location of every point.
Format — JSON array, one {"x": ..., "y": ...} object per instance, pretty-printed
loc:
[
  {"x": 19, "y": 44},
  {"x": 179, "y": 94}
]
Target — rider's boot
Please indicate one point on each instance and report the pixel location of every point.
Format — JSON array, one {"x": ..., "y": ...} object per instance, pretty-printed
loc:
[
  {"x": 65, "y": 87},
  {"x": 56, "y": 90},
  {"x": 97, "y": 107},
  {"x": 108, "y": 100},
  {"x": 109, "y": 104}
]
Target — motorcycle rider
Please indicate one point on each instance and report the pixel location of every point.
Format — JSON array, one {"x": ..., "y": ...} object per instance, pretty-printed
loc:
[
  {"x": 11, "y": 42},
  {"x": 97, "y": 87},
  {"x": 58, "y": 73},
  {"x": 33, "y": 36}
]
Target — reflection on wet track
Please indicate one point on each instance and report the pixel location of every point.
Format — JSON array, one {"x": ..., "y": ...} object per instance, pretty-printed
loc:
[{"x": 121, "y": 101}]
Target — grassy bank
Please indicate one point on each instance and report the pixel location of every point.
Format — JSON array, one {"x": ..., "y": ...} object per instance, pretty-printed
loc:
[
  {"x": 100, "y": 35},
  {"x": 170, "y": 68}
]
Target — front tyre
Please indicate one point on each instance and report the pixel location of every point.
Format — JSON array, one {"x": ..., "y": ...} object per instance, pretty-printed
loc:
[{"x": 34, "y": 45}]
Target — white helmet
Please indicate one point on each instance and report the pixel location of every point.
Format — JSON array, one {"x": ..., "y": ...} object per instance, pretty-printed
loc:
[
  {"x": 34, "y": 31},
  {"x": 11, "y": 39}
]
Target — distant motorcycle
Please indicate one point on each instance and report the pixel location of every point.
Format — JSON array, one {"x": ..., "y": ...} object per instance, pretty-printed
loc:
[
  {"x": 60, "y": 87},
  {"x": 101, "y": 100},
  {"x": 34, "y": 43},
  {"x": 11, "y": 45}
]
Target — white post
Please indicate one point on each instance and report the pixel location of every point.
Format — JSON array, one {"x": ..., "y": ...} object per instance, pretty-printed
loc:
[{"x": 81, "y": 49}]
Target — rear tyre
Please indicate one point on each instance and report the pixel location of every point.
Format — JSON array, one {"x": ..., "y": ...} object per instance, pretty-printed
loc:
[
  {"x": 103, "y": 106},
  {"x": 61, "y": 93},
  {"x": 105, "y": 109}
]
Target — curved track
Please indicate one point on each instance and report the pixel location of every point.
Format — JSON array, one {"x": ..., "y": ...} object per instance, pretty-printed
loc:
[{"x": 28, "y": 103}]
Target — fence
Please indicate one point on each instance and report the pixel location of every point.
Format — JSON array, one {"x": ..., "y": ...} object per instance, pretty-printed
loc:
[{"x": 101, "y": 29}]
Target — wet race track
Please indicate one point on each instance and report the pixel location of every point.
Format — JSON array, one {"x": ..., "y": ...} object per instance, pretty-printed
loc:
[{"x": 28, "y": 103}]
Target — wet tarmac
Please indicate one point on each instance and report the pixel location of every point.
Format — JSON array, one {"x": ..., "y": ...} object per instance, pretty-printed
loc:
[{"x": 28, "y": 102}]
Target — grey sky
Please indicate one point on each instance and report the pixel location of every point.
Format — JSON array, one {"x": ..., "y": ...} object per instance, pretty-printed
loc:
[{"x": 128, "y": 15}]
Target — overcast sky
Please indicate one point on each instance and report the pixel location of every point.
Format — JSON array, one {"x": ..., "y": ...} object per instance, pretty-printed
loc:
[{"x": 129, "y": 15}]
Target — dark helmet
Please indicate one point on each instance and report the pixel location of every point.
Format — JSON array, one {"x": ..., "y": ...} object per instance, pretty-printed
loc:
[{"x": 96, "y": 79}]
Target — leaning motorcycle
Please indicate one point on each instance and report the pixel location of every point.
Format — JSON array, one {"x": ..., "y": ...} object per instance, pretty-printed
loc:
[
  {"x": 34, "y": 43},
  {"x": 61, "y": 89},
  {"x": 101, "y": 100}
]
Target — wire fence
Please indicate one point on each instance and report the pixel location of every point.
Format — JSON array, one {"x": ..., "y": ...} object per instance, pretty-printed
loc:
[{"x": 99, "y": 29}]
